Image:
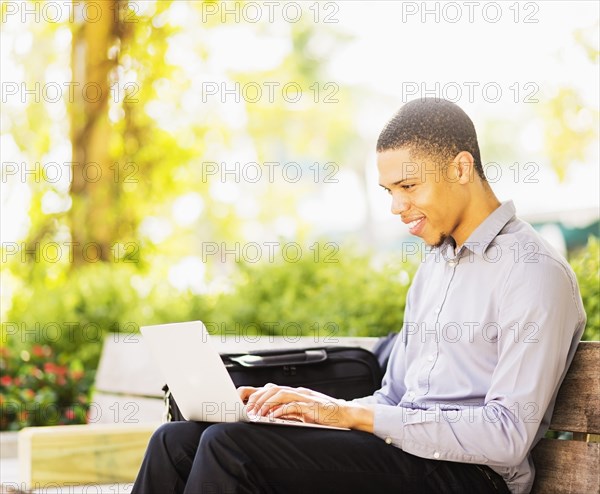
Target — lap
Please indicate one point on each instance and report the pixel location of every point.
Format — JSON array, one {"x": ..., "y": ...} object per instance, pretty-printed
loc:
[{"x": 293, "y": 458}]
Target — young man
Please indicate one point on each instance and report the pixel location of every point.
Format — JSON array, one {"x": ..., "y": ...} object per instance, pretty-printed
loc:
[{"x": 492, "y": 321}]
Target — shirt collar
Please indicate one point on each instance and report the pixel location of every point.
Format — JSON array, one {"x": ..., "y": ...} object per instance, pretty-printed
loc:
[{"x": 482, "y": 236}]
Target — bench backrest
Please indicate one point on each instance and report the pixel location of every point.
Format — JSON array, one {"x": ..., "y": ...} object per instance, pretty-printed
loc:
[{"x": 572, "y": 466}]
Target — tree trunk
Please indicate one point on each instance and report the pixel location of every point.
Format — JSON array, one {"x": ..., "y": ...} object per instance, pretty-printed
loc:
[{"x": 93, "y": 216}]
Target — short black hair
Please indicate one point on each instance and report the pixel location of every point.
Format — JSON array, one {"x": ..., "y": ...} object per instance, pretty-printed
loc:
[{"x": 431, "y": 128}]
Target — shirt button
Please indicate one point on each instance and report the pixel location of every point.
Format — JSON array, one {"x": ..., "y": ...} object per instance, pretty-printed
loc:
[
  {"x": 388, "y": 440},
  {"x": 430, "y": 358},
  {"x": 452, "y": 263},
  {"x": 436, "y": 455},
  {"x": 437, "y": 309}
]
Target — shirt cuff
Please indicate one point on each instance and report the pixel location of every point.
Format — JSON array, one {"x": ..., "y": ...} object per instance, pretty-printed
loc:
[{"x": 388, "y": 424}]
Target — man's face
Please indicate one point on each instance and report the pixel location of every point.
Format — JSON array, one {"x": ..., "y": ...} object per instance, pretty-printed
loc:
[{"x": 425, "y": 194}]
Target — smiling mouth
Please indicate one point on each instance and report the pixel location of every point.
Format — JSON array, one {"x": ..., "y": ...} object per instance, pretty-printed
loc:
[{"x": 414, "y": 227}]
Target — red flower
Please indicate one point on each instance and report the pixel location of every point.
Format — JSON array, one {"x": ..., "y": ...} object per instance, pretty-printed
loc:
[
  {"x": 38, "y": 350},
  {"x": 70, "y": 414},
  {"x": 52, "y": 368},
  {"x": 6, "y": 380}
]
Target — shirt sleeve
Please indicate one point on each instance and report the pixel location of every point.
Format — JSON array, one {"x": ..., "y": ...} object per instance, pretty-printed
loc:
[
  {"x": 540, "y": 318},
  {"x": 392, "y": 385}
]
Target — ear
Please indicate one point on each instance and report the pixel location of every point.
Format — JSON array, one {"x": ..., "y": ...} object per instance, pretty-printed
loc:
[{"x": 465, "y": 167}]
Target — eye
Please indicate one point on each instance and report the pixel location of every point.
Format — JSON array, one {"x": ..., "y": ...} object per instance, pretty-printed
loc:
[{"x": 407, "y": 187}]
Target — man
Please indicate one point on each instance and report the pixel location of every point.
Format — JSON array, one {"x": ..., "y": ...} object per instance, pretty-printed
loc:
[{"x": 492, "y": 321}]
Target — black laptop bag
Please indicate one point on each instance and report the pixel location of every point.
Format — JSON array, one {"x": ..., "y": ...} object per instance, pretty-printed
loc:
[{"x": 340, "y": 372}]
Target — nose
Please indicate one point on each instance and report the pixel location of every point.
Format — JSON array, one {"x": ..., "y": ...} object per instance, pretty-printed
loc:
[{"x": 399, "y": 203}]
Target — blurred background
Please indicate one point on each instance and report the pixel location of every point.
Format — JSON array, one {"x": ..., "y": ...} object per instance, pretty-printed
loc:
[{"x": 176, "y": 160}]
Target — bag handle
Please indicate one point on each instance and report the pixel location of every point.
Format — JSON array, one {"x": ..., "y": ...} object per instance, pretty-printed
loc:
[{"x": 296, "y": 358}]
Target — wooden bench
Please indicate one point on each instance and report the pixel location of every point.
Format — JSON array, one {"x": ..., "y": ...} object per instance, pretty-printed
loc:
[
  {"x": 128, "y": 394},
  {"x": 573, "y": 466},
  {"x": 127, "y": 406}
]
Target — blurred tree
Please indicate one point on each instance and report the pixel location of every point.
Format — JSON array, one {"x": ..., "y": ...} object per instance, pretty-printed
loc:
[
  {"x": 138, "y": 133},
  {"x": 587, "y": 38},
  {"x": 317, "y": 130},
  {"x": 570, "y": 124},
  {"x": 94, "y": 192},
  {"x": 567, "y": 122},
  {"x": 570, "y": 127}
]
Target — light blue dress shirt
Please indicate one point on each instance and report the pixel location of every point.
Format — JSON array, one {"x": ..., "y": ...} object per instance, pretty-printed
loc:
[{"x": 489, "y": 331}]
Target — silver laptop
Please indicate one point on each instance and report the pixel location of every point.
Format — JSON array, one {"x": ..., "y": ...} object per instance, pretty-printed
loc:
[{"x": 197, "y": 377}]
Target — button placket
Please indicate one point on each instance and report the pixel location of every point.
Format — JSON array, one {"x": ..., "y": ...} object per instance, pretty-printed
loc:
[{"x": 431, "y": 358}]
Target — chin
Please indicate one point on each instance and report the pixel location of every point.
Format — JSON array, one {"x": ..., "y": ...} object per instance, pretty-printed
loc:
[{"x": 436, "y": 243}]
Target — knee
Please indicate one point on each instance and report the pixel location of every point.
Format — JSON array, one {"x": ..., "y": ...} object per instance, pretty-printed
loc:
[
  {"x": 215, "y": 433},
  {"x": 222, "y": 434},
  {"x": 174, "y": 436}
]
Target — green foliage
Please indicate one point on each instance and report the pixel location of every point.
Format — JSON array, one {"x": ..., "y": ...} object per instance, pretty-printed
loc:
[
  {"x": 586, "y": 265},
  {"x": 334, "y": 295},
  {"x": 37, "y": 390},
  {"x": 569, "y": 128},
  {"x": 72, "y": 315},
  {"x": 325, "y": 293}
]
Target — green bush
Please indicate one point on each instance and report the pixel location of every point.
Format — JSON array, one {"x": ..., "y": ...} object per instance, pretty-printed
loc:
[
  {"x": 586, "y": 264},
  {"x": 348, "y": 297},
  {"x": 320, "y": 295},
  {"x": 72, "y": 313}
]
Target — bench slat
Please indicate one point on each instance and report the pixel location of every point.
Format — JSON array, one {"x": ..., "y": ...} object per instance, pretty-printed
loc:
[
  {"x": 566, "y": 467},
  {"x": 578, "y": 402},
  {"x": 81, "y": 454},
  {"x": 109, "y": 408}
]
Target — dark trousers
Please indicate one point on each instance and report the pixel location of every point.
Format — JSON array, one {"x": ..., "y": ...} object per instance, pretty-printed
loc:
[{"x": 198, "y": 457}]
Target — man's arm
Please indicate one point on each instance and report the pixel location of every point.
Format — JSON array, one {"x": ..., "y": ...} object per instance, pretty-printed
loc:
[{"x": 531, "y": 365}]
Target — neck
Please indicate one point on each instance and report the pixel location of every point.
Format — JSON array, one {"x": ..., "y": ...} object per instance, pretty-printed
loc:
[{"x": 481, "y": 204}]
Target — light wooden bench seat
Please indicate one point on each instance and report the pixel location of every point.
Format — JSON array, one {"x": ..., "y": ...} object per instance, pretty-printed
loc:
[{"x": 81, "y": 454}]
